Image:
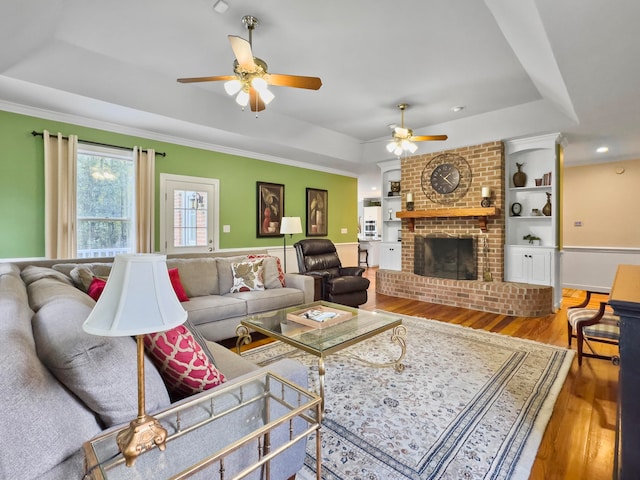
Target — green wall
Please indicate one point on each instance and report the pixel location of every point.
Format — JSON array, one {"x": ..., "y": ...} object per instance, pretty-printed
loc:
[{"x": 22, "y": 186}]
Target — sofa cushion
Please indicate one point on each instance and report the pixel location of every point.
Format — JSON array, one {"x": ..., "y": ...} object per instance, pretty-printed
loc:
[
  {"x": 49, "y": 289},
  {"x": 42, "y": 423},
  {"x": 9, "y": 268},
  {"x": 247, "y": 276},
  {"x": 266, "y": 300},
  {"x": 82, "y": 273},
  {"x": 181, "y": 361},
  {"x": 101, "y": 371},
  {"x": 199, "y": 276},
  {"x": 225, "y": 273},
  {"x": 32, "y": 273},
  {"x": 214, "y": 307}
]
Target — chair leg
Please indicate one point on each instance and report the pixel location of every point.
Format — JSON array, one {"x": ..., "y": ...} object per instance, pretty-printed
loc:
[
  {"x": 570, "y": 333},
  {"x": 580, "y": 345}
]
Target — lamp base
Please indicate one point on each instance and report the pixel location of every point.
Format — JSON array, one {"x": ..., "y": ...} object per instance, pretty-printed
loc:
[{"x": 142, "y": 434}]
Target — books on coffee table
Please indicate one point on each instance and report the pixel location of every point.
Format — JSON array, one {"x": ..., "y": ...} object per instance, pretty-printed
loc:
[{"x": 319, "y": 316}]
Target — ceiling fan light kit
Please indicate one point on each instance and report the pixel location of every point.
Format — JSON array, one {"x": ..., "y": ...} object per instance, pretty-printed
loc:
[
  {"x": 402, "y": 138},
  {"x": 252, "y": 79}
]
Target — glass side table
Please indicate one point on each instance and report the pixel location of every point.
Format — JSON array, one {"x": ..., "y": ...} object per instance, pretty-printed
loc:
[{"x": 234, "y": 432}]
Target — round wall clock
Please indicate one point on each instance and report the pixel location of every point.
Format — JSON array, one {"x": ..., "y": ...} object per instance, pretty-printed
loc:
[{"x": 446, "y": 178}]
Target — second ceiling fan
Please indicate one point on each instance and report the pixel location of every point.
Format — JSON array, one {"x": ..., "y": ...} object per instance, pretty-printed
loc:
[
  {"x": 251, "y": 79},
  {"x": 402, "y": 138}
]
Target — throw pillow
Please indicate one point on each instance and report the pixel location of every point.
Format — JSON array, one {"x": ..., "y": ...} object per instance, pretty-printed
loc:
[
  {"x": 96, "y": 287},
  {"x": 278, "y": 275},
  {"x": 184, "y": 367},
  {"x": 174, "y": 276},
  {"x": 247, "y": 276}
]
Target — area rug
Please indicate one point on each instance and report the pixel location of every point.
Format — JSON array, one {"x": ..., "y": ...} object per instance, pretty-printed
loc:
[{"x": 469, "y": 405}]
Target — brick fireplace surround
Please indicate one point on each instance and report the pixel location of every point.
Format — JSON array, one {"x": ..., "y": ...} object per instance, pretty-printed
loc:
[{"x": 496, "y": 296}]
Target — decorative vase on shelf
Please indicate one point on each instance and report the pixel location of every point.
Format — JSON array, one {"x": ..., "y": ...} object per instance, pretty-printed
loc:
[
  {"x": 546, "y": 210},
  {"x": 519, "y": 178}
]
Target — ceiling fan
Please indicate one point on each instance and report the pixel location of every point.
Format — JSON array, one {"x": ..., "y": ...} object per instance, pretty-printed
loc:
[
  {"x": 402, "y": 138},
  {"x": 251, "y": 79}
]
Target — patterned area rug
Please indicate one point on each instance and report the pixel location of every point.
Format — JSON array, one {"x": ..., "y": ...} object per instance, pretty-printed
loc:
[{"x": 469, "y": 405}]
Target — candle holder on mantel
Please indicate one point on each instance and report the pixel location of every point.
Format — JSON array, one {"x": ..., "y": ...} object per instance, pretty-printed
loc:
[
  {"x": 410, "y": 202},
  {"x": 486, "y": 197}
]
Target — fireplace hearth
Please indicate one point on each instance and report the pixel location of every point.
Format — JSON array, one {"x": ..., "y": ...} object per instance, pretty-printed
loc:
[{"x": 446, "y": 257}]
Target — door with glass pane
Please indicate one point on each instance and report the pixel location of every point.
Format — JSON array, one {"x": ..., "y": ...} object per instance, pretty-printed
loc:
[{"x": 190, "y": 214}]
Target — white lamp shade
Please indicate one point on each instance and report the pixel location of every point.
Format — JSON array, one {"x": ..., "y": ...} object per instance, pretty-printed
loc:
[
  {"x": 290, "y": 225},
  {"x": 138, "y": 298}
]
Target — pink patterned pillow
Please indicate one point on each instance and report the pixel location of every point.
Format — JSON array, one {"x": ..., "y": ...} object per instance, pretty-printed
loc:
[
  {"x": 184, "y": 367},
  {"x": 279, "y": 265}
]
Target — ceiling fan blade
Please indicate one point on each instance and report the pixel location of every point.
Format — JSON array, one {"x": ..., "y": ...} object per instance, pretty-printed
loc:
[
  {"x": 242, "y": 50},
  {"x": 424, "y": 138},
  {"x": 296, "y": 81},
  {"x": 255, "y": 102},
  {"x": 207, "y": 79}
]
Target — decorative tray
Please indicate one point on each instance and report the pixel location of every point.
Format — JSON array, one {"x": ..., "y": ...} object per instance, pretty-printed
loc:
[{"x": 319, "y": 316}]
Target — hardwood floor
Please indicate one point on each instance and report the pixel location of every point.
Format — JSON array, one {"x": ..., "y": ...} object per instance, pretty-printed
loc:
[{"x": 580, "y": 438}]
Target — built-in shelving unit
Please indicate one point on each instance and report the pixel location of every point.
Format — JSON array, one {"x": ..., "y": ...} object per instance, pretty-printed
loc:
[
  {"x": 390, "y": 246},
  {"x": 538, "y": 262}
]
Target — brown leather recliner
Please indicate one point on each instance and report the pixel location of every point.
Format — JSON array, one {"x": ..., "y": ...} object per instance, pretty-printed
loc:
[{"x": 343, "y": 285}]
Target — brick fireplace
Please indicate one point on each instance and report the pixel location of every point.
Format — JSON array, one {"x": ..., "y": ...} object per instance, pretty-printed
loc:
[{"x": 459, "y": 220}]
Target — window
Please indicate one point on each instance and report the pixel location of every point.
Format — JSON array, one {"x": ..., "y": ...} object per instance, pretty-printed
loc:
[{"x": 105, "y": 195}]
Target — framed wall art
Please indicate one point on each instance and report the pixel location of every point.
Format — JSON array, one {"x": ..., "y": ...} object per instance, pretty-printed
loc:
[
  {"x": 317, "y": 208},
  {"x": 270, "y": 201}
]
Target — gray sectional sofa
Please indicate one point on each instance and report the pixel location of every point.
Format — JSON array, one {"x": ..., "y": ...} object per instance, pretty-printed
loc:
[
  {"x": 207, "y": 281},
  {"x": 61, "y": 387}
]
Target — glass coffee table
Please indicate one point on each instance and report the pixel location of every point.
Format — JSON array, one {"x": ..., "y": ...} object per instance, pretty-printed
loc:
[{"x": 323, "y": 340}]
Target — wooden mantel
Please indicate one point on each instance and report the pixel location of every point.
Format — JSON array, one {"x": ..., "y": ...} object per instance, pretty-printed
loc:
[{"x": 483, "y": 213}]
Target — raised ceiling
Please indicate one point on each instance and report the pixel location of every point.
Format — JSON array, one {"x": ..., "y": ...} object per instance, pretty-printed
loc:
[{"x": 519, "y": 67}]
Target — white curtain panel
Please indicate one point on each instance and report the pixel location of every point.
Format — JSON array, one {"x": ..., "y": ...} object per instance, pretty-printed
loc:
[
  {"x": 145, "y": 192},
  {"x": 60, "y": 159}
]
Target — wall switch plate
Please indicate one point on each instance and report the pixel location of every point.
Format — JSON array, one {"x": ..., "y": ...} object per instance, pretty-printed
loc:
[
  {"x": 343, "y": 230},
  {"x": 226, "y": 228}
]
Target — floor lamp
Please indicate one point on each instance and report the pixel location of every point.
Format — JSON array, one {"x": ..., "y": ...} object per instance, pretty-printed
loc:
[
  {"x": 137, "y": 299},
  {"x": 289, "y": 225}
]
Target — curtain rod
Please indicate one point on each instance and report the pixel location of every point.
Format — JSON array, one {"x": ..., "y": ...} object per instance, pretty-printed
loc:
[{"x": 41, "y": 134}]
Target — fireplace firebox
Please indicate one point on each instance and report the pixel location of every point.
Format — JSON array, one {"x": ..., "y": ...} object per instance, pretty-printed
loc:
[{"x": 446, "y": 257}]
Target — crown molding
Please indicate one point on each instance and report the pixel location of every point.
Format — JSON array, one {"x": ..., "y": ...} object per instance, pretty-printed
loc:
[{"x": 148, "y": 134}]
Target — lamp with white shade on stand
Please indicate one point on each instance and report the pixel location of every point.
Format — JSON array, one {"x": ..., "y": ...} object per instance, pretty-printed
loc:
[
  {"x": 137, "y": 299},
  {"x": 289, "y": 225}
]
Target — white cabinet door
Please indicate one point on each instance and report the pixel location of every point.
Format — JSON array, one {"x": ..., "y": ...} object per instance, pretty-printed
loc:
[
  {"x": 540, "y": 268},
  {"x": 528, "y": 265},
  {"x": 391, "y": 256},
  {"x": 516, "y": 267}
]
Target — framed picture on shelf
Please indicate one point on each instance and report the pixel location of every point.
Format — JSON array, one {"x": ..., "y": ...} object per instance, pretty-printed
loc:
[
  {"x": 270, "y": 202},
  {"x": 317, "y": 208}
]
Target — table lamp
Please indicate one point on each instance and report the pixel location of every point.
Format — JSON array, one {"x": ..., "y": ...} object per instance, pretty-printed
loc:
[
  {"x": 137, "y": 299},
  {"x": 289, "y": 225}
]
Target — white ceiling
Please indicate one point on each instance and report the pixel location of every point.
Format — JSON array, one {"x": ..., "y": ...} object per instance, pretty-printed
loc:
[{"x": 519, "y": 67}]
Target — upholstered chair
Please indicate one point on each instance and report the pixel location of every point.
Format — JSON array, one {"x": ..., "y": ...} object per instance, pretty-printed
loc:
[
  {"x": 589, "y": 325},
  {"x": 338, "y": 284}
]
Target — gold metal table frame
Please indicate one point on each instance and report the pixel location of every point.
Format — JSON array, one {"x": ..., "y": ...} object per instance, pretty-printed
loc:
[{"x": 330, "y": 340}]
